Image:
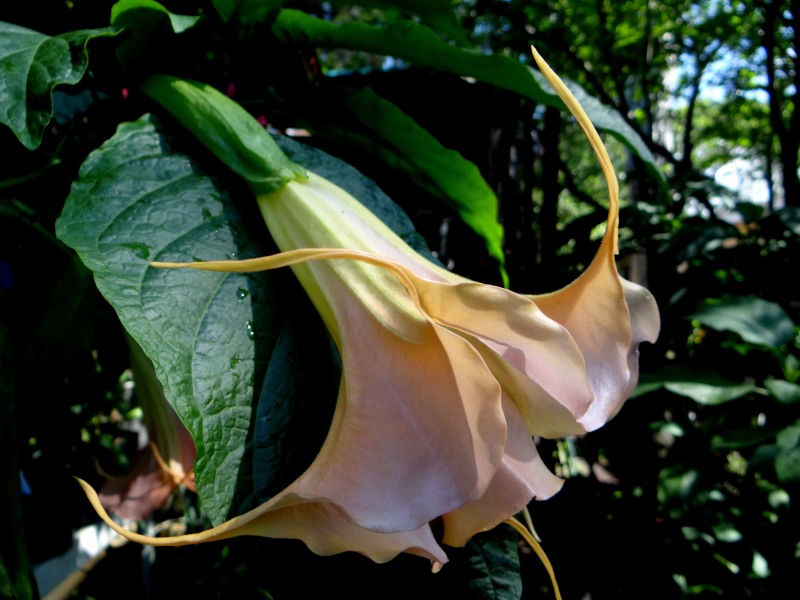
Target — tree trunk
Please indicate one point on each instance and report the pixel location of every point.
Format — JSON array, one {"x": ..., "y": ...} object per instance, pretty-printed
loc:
[
  {"x": 548, "y": 217},
  {"x": 788, "y": 135}
]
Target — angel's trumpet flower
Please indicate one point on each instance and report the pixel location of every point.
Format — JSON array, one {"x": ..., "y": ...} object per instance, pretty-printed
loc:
[{"x": 444, "y": 379}]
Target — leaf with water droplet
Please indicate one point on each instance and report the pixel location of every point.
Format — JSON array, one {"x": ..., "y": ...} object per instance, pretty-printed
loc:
[
  {"x": 139, "y": 250},
  {"x": 190, "y": 323}
]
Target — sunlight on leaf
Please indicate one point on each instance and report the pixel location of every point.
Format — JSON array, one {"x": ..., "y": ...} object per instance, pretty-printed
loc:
[{"x": 757, "y": 321}]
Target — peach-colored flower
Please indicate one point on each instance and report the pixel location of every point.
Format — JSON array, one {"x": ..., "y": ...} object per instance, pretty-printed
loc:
[{"x": 444, "y": 380}]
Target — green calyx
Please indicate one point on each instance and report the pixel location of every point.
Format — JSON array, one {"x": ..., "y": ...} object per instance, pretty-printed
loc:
[{"x": 228, "y": 130}]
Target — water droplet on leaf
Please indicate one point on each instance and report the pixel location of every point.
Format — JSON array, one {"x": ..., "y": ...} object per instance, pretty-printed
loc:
[{"x": 139, "y": 250}]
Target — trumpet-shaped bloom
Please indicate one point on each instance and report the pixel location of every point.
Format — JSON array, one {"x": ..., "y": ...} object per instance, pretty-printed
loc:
[{"x": 444, "y": 380}]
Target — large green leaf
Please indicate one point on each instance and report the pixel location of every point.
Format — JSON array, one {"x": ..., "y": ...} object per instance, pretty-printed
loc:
[
  {"x": 701, "y": 385},
  {"x": 787, "y": 459},
  {"x": 418, "y": 44},
  {"x": 755, "y": 320},
  {"x": 142, "y": 14},
  {"x": 742, "y": 438},
  {"x": 493, "y": 565},
  {"x": 380, "y": 128},
  {"x": 32, "y": 65},
  {"x": 436, "y": 14},
  {"x": 135, "y": 201},
  {"x": 783, "y": 391},
  {"x": 294, "y": 410}
]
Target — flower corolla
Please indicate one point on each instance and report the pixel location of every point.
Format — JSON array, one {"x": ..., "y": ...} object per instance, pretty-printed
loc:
[{"x": 444, "y": 380}]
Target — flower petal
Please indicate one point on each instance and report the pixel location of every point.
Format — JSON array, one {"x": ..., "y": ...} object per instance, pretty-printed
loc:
[
  {"x": 322, "y": 525},
  {"x": 594, "y": 308},
  {"x": 521, "y": 477},
  {"x": 421, "y": 430},
  {"x": 645, "y": 325},
  {"x": 542, "y": 414},
  {"x": 140, "y": 493},
  {"x": 517, "y": 331}
]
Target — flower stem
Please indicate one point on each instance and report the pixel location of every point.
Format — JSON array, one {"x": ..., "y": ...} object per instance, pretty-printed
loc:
[{"x": 537, "y": 548}]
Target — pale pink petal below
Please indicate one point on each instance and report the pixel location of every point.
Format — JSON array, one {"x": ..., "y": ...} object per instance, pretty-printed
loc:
[
  {"x": 522, "y": 477},
  {"x": 139, "y": 494},
  {"x": 322, "y": 525}
]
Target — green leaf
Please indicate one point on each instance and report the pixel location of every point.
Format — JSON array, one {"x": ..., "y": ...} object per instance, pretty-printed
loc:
[
  {"x": 677, "y": 482},
  {"x": 143, "y": 14},
  {"x": 381, "y": 128},
  {"x": 787, "y": 459},
  {"x": 742, "y": 438},
  {"x": 436, "y": 14},
  {"x": 755, "y": 320},
  {"x": 701, "y": 385},
  {"x": 135, "y": 201},
  {"x": 725, "y": 532},
  {"x": 33, "y": 64},
  {"x": 493, "y": 565},
  {"x": 420, "y": 45},
  {"x": 247, "y": 12},
  {"x": 790, "y": 217},
  {"x": 291, "y": 401},
  {"x": 703, "y": 393},
  {"x": 760, "y": 566},
  {"x": 146, "y": 23},
  {"x": 226, "y": 129},
  {"x": 783, "y": 391}
]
